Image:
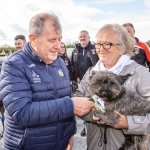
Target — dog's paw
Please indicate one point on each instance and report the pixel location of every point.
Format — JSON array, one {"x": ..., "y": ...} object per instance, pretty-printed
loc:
[
  {"x": 97, "y": 114},
  {"x": 104, "y": 118}
]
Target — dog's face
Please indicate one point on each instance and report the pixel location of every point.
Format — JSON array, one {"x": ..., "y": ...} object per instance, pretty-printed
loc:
[{"x": 106, "y": 85}]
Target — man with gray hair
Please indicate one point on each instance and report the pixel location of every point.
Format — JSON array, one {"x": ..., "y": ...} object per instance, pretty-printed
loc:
[{"x": 36, "y": 92}]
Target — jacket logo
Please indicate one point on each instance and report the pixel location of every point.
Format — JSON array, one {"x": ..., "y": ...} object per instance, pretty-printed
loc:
[
  {"x": 66, "y": 62},
  {"x": 60, "y": 72},
  {"x": 32, "y": 65},
  {"x": 36, "y": 78},
  {"x": 136, "y": 50},
  {"x": 93, "y": 51}
]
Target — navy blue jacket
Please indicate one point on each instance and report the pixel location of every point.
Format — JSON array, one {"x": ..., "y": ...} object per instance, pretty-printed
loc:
[{"x": 39, "y": 111}]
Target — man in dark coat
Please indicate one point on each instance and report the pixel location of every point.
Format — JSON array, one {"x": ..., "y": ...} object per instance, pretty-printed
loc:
[
  {"x": 83, "y": 56},
  {"x": 36, "y": 93},
  {"x": 141, "y": 50}
]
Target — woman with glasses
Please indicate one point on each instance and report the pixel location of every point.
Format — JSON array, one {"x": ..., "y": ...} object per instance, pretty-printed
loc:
[{"x": 114, "y": 47}]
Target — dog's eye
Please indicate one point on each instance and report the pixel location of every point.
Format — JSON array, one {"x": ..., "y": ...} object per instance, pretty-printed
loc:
[
  {"x": 105, "y": 81},
  {"x": 111, "y": 83}
]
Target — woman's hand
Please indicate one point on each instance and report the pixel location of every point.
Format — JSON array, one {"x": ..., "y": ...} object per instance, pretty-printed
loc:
[
  {"x": 122, "y": 123},
  {"x": 96, "y": 119}
]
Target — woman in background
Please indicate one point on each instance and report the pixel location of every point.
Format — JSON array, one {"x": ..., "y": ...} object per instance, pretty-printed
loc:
[{"x": 63, "y": 54}]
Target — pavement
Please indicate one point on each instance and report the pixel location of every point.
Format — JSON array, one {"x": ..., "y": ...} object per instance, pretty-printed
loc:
[
  {"x": 1, "y": 129},
  {"x": 79, "y": 142}
]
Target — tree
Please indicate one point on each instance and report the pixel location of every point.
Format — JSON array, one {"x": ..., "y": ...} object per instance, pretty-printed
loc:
[
  {"x": 148, "y": 43},
  {"x": 7, "y": 49}
]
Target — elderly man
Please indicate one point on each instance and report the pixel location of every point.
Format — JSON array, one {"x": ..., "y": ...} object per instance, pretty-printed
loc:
[
  {"x": 36, "y": 93},
  {"x": 19, "y": 41}
]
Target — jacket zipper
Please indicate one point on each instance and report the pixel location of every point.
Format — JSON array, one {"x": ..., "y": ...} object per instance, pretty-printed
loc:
[{"x": 56, "y": 96}]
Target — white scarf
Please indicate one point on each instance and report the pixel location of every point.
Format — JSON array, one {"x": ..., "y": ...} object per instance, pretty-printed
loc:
[{"x": 123, "y": 61}]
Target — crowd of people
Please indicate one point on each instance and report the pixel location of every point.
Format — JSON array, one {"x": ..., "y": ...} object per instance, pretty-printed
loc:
[{"x": 36, "y": 86}]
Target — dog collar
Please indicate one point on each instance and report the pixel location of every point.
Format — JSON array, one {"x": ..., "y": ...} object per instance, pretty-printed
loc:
[{"x": 99, "y": 103}]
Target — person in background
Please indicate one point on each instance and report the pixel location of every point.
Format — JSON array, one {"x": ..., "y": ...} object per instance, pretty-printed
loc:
[
  {"x": 19, "y": 41},
  {"x": 83, "y": 57},
  {"x": 141, "y": 49},
  {"x": 3, "y": 52},
  {"x": 63, "y": 54},
  {"x": 36, "y": 93},
  {"x": 1, "y": 112},
  {"x": 114, "y": 47}
]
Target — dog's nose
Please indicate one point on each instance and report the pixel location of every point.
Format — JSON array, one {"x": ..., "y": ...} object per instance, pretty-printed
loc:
[{"x": 104, "y": 94}]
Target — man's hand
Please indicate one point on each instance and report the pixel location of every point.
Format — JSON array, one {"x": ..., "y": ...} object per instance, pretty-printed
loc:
[
  {"x": 78, "y": 80},
  {"x": 82, "y": 105},
  {"x": 123, "y": 122},
  {"x": 70, "y": 144}
]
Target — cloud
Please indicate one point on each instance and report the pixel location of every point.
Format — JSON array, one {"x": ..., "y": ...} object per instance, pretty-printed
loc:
[
  {"x": 3, "y": 35},
  {"x": 147, "y": 3},
  {"x": 109, "y": 2},
  {"x": 74, "y": 15},
  {"x": 18, "y": 29}
]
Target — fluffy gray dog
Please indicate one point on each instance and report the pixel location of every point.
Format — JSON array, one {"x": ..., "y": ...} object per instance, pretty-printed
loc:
[{"x": 110, "y": 87}]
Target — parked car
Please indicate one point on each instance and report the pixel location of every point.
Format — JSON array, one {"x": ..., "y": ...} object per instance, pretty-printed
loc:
[
  {"x": 2, "y": 57},
  {"x": 69, "y": 52}
]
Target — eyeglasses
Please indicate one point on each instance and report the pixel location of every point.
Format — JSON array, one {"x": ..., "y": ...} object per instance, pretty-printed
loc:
[{"x": 106, "y": 46}]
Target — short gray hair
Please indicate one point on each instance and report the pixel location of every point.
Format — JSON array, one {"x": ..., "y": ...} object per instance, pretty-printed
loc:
[
  {"x": 84, "y": 31},
  {"x": 37, "y": 23},
  {"x": 122, "y": 37}
]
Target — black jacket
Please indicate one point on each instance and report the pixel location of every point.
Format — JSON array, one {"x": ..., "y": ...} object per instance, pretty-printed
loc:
[
  {"x": 68, "y": 65},
  {"x": 139, "y": 56},
  {"x": 82, "y": 59}
]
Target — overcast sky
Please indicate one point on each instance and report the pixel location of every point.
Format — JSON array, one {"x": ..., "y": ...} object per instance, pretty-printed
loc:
[{"x": 74, "y": 15}]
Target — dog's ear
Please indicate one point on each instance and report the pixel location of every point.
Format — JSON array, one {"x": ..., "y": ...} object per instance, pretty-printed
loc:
[{"x": 123, "y": 78}]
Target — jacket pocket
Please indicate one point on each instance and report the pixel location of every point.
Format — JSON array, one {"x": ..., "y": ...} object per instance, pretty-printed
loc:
[
  {"x": 138, "y": 119},
  {"x": 41, "y": 137}
]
